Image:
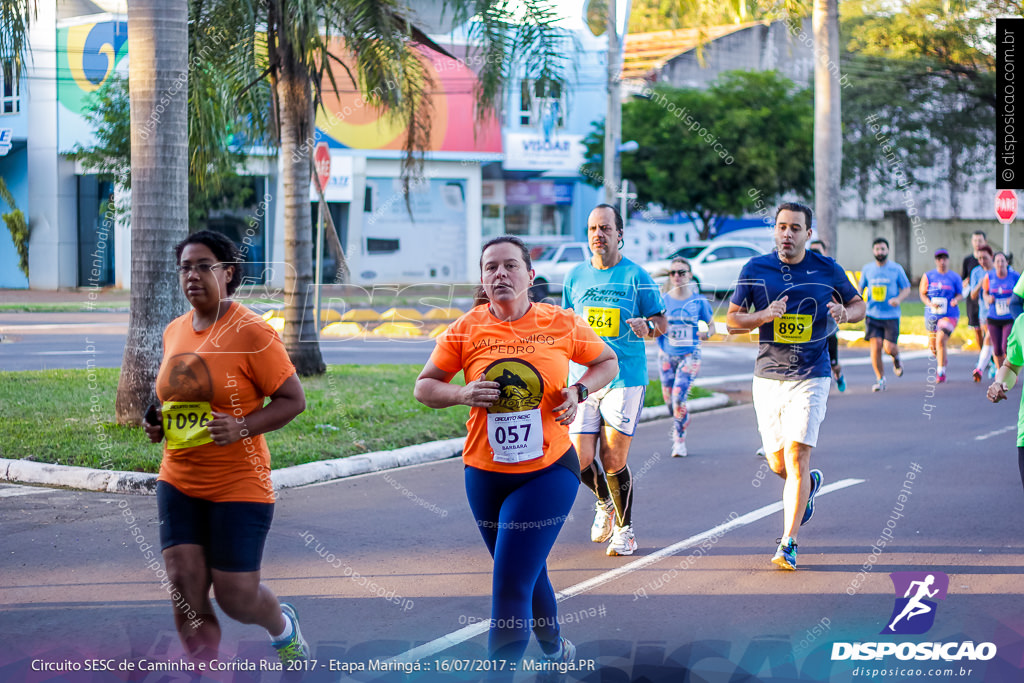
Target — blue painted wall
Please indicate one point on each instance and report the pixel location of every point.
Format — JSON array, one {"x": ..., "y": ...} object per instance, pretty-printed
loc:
[{"x": 14, "y": 170}]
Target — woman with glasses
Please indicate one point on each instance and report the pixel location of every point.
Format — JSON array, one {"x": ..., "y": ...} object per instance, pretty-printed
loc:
[
  {"x": 214, "y": 494},
  {"x": 679, "y": 348}
]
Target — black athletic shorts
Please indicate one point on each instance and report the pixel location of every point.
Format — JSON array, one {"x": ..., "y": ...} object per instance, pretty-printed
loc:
[
  {"x": 232, "y": 534},
  {"x": 972, "y": 307},
  {"x": 883, "y": 328}
]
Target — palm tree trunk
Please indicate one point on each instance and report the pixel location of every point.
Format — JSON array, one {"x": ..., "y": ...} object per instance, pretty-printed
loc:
[
  {"x": 294, "y": 96},
  {"x": 157, "y": 76},
  {"x": 828, "y": 125}
]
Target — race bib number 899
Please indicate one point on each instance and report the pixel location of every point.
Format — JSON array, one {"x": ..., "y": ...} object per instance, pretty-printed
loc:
[{"x": 792, "y": 328}]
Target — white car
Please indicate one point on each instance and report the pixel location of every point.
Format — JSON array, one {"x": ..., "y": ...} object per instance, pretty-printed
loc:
[
  {"x": 554, "y": 263},
  {"x": 716, "y": 265}
]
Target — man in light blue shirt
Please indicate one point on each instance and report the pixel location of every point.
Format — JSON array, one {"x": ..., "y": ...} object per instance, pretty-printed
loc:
[
  {"x": 623, "y": 305},
  {"x": 884, "y": 286}
]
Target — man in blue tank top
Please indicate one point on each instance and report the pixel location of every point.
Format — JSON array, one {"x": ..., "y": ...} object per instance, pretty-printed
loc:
[{"x": 794, "y": 298}]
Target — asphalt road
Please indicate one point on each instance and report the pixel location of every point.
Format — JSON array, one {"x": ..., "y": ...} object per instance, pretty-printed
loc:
[{"x": 699, "y": 602}]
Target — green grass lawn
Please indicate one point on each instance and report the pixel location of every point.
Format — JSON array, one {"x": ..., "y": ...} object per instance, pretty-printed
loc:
[{"x": 53, "y": 416}]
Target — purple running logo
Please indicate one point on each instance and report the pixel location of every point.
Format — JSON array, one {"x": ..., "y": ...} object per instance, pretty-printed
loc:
[{"x": 916, "y": 593}]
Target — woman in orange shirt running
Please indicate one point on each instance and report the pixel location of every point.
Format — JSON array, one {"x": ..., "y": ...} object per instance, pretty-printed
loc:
[
  {"x": 521, "y": 471},
  {"x": 214, "y": 494}
]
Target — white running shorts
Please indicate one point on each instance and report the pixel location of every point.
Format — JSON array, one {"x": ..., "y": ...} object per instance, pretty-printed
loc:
[
  {"x": 617, "y": 408},
  {"x": 789, "y": 410}
]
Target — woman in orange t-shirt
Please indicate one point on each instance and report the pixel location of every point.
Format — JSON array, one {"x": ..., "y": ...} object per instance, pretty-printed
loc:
[
  {"x": 214, "y": 494},
  {"x": 522, "y": 472}
]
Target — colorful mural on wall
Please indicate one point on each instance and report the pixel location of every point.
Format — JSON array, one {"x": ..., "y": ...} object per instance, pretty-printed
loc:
[
  {"x": 86, "y": 56},
  {"x": 350, "y": 122}
]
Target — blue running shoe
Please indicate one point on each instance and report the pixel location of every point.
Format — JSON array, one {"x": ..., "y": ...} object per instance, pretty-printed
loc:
[
  {"x": 815, "y": 485},
  {"x": 295, "y": 648},
  {"x": 841, "y": 382},
  {"x": 785, "y": 556}
]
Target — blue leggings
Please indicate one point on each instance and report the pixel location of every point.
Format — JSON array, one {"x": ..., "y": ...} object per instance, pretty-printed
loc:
[
  {"x": 519, "y": 516},
  {"x": 677, "y": 374}
]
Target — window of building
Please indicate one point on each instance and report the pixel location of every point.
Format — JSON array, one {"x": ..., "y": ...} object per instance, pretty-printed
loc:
[
  {"x": 541, "y": 104},
  {"x": 10, "y": 100}
]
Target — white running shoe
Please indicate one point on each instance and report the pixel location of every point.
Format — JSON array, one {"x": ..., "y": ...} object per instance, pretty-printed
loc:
[
  {"x": 623, "y": 541},
  {"x": 879, "y": 385},
  {"x": 603, "y": 521},
  {"x": 679, "y": 450}
]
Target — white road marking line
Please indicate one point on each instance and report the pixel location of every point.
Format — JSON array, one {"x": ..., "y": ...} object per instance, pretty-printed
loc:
[
  {"x": 15, "y": 490},
  {"x": 995, "y": 433},
  {"x": 465, "y": 633}
]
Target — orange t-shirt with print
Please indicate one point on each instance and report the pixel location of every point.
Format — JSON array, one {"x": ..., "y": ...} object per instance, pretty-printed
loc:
[
  {"x": 529, "y": 359},
  {"x": 230, "y": 367}
]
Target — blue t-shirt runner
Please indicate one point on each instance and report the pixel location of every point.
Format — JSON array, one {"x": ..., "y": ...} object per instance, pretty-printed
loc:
[
  {"x": 1001, "y": 289},
  {"x": 880, "y": 284},
  {"x": 795, "y": 346},
  {"x": 606, "y": 299},
  {"x": 942, "y": 289},
  {"x": 683, "y": 318}
]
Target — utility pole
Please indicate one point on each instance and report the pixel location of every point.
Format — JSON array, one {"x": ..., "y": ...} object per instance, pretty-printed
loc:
[{"x": 613, "y": 119}]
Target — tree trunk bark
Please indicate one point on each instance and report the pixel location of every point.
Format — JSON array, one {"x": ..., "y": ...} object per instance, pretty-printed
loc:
[
  {"x": 158, "y": 79},
  {"x": 828, "y": 125},
  {"x": 301, "y": 330}
]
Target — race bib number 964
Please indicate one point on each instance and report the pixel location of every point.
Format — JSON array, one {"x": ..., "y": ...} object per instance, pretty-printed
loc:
[
  {"x": 792, "y": 328},
  {"x": 604, "y": 321},
  {"x": 185, "y": 424}
]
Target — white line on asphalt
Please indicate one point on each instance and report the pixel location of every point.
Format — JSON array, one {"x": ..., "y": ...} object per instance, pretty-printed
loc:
[
  {"x": 995, "y": 433},
  {"x": 16, "y": 490},
  {"x": 465, "y": 633}
]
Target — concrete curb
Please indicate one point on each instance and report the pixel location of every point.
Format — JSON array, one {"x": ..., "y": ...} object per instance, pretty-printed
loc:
[{"x": 114, "y": 481}]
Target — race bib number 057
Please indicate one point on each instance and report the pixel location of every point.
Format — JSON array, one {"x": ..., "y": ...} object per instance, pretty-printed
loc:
[
  {"x": 792, "y": 328},
  {"x": 185, "y": 424},
  {"x": 515, "y": 437},
  {"x": 604, "y": 321}
]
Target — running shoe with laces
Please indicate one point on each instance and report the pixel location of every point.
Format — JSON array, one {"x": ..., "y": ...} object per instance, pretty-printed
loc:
[
  {"x": 785, "y": 556},
  {"x": 679, "y": 449},
  {"x": 566, "y": 652},
  {"x": 604, "y": 519},
  {"x": 940, "y": 377},
  {"x": 816, "y": 478},
  {"x": 841, "y": 382},
  {"x": 879, "y": 385},
  {"x": 623, "y": 541},
  {"x": 295, "y": 648},
  {"x": 976, "y": 374},
  {"x": 897, "y": 366}
]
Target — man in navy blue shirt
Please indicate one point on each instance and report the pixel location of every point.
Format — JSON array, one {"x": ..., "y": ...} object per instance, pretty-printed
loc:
[{"x": 795, "y": 298}]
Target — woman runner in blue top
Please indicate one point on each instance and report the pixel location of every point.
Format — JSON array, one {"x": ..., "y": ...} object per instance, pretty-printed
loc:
[
  {"x": 998, "y": 285},
  {"x": 679, "y": 348},
  {"x": 941, "y": 292}
]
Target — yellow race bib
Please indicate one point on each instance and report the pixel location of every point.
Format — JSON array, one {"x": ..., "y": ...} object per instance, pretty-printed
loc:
[
  {"x": 604, "y": 321},
  {"x": 185, "y": 423},
  {"x": 792, "y": 328},
  {"x": 878, "y": 292}
]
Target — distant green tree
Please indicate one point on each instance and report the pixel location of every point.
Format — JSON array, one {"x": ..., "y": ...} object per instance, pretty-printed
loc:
[
  {"x": 108, "y": 114},
  {"x": 941, "y": 53},
  {"x": 716, "y": 153},
  {"x": 16, "y": 225}
]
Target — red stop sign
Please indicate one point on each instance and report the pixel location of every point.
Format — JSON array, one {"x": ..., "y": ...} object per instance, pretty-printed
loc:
[
  {"x": 1006, "y": 206},
  {"x": 322, "y": 163}
]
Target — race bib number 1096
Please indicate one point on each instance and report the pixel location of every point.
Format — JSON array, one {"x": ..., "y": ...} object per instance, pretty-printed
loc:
[{"x": 185, "y": 423}]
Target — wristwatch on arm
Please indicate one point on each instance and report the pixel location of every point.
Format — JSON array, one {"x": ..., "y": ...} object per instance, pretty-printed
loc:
[
  {"x": 581, "y": 392},
  {"x": 650, "y": 327}
]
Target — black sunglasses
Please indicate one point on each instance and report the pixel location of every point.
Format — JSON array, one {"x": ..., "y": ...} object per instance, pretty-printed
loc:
[{"x": 678, "y": 272}]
